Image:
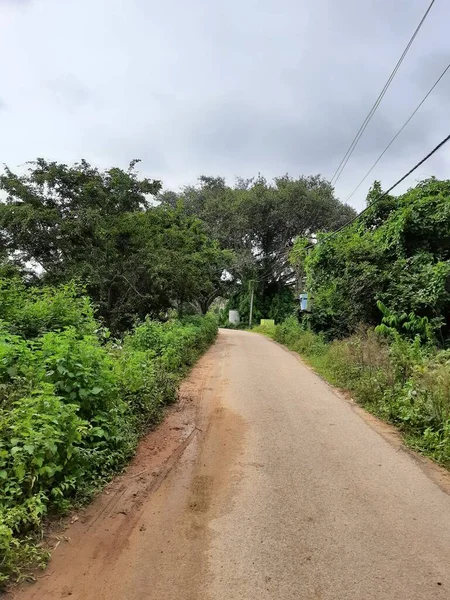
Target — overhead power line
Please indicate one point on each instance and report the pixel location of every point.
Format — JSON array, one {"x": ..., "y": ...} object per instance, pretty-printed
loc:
[
  {"x": 383, "y": 195},
  {"x": 372, "y": 111},
  {"x": 398, "y": 133}
]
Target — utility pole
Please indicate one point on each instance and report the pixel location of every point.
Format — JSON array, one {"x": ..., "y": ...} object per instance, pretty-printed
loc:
[{"x": 251, "y": 284}]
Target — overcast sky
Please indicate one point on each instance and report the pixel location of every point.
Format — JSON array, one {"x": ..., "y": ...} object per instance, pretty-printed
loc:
[{"x": 230, "y": 87}]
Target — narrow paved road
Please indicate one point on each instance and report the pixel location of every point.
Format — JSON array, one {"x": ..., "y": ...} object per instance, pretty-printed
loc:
[{"x": 285, "y": 492}]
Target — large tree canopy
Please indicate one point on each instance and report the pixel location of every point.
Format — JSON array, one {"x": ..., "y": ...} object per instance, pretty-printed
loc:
[
  {"x": 139, "y": 251},
  {"x": 258, "y": 221},
  {"x": 102, "y": 229}
]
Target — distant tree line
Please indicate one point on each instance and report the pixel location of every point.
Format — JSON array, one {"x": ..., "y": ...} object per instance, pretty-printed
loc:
[
  {"x": 140, "y": 251},
  {"x": 258, "y": 221}
]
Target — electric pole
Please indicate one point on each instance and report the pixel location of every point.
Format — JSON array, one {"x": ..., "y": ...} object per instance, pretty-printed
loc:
[{"x": 251, "y": 284}]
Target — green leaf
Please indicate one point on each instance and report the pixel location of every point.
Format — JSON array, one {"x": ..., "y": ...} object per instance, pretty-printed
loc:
[
  {"x": 3, "y": 474},
  {"x": 52, "y": 446},
  {"x": 38, "y": 461},
  {"x": 12, "y": 371},
  {"x": 50, "y": 471},
  {"x": 96, "y": 390},
  {"x": 20, "y": 471}
]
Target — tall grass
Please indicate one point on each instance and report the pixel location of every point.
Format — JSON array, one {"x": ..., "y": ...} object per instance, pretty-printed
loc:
[{"x": 401, "y": 381}]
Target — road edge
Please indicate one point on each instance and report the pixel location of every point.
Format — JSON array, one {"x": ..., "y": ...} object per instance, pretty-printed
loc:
[{"x": 438, "y": 474}]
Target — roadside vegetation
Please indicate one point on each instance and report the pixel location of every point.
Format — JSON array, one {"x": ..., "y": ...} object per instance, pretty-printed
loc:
[
  {"x": 74, "y": 403},
  {"x": 107, "y": 289},
  {"x": 255, "y": 221},
  {"x": 380, "y": 312},
  {"x": 399, "y": 380},
  {"x": 98, "y": 294}
]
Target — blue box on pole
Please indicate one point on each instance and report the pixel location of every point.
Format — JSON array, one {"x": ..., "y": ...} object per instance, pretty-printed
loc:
[{"x": 303, "y": 301}]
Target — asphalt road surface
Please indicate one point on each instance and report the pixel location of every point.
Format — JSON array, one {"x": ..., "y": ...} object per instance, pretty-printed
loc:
[{"x": 282, "y": 490}]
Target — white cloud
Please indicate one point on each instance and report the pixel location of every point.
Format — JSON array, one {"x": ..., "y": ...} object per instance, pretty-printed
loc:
[{"x": 229, "y": 88}]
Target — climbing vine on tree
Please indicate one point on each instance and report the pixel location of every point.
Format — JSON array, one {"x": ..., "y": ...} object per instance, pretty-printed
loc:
[{"x": 397, "y": 253}]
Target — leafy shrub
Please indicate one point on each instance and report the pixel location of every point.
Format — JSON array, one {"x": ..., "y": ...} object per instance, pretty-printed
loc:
[
  {"x": 17, "y": 552},
  {"x": 16, "y": 358},
  {"x": 40, "y": 466},
  {"x": 430, "y": 388},
  {"x": 30, "y": 312},
  {"x": 41, "y": 437},
  {"x": 72, "y": 407},
  {"x": 80, "y": 369},
  {"x": 409, "y": 325},
  {"x": 143, "y": 386},
  {"x": 398, "y": 253}
]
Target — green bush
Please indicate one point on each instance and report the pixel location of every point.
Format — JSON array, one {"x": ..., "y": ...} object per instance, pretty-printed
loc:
[
  {"x": 80, "y": 368},
  {"x": 73, "y": 404},
  {"x": 41, "y": 438},
  {"x": 396, "y": 253},
  {"x": 30, "y": 312}
]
